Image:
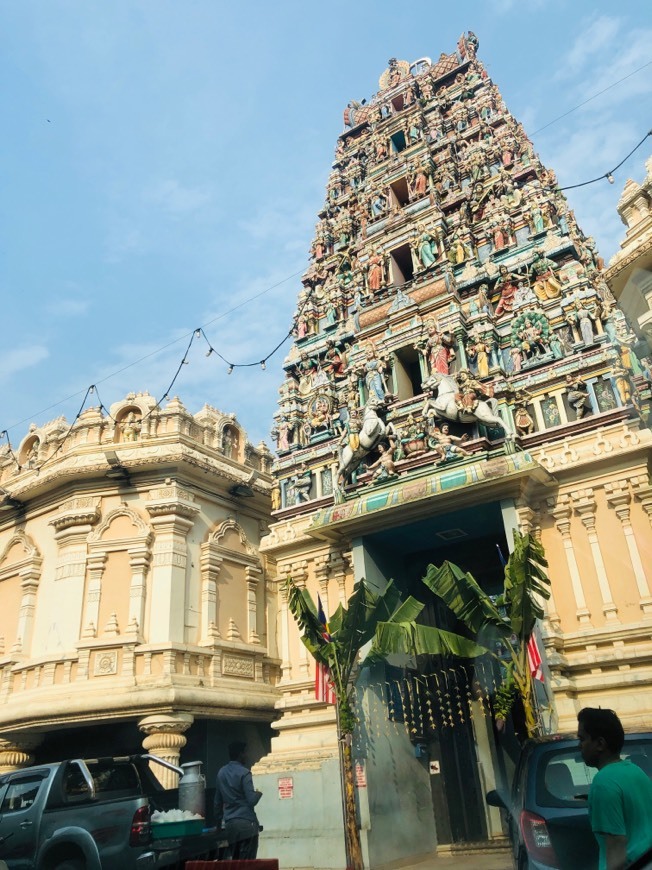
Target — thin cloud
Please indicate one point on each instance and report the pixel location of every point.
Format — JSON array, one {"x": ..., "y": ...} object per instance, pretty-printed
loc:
[
  {"x": 68, "y": 307},
  {"x": 177, "y": 199},
  {"x": 20, "y": 358},
  {"x": 591, "y": 41}
]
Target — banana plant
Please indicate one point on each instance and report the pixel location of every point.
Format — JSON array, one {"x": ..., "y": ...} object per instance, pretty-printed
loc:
[
  {"x": 511, "y": 618},
  {"x": 388, "y": 625}
]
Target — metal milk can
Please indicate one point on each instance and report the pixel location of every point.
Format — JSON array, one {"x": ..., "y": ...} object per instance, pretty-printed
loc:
[{"x": 192, "y": 789}]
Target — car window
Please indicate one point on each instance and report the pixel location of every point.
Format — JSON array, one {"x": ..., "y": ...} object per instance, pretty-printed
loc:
[
  {"x": 563, "y": 779},
  {"x": 115, "y": 778},
  {"x": 639, "y": 753},
  {"x": 21, "y": 793}
]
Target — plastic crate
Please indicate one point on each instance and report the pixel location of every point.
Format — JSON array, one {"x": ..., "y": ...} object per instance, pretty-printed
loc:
[{"x": 172, "y": 830}]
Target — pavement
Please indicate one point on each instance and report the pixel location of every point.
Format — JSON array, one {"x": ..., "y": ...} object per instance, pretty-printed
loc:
[{"x": 496, "y": 859}]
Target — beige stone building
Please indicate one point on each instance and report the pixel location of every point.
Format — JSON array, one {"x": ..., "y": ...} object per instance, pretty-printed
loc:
[
  {"x": 630, "y": 271},
  {"x": 135, "y": 609}
]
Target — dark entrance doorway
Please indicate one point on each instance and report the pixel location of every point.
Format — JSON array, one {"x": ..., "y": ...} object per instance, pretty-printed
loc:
[{"x": 468, "y": 538}]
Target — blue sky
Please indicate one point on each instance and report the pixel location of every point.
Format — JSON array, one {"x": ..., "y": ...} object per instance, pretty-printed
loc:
[{"x": 165, "y": 161}]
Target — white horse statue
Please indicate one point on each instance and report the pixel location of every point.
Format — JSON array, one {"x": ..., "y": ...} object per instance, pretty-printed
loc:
[
  {"x": 444, "y": 405},
  {"x": 372, "y": 432}
]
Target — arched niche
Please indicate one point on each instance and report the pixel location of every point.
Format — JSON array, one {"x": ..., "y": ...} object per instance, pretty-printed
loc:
[
  {"x": 231, "y": 440},
  {"x": 128, "y": 424},
  {"x": 119, "y": 555},
  {"x": 228, "y": 557}
]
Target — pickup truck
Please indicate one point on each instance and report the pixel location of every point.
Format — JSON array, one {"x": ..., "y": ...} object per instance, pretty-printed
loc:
[{"x": 89, "y": 815}]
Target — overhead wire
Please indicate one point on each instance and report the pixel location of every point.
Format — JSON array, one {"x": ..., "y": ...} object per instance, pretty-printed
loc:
[{"x": 200, "y": 331}]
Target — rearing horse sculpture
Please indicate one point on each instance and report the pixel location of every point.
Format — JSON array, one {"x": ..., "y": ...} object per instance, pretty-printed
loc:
[
  {"x": 372, "y": 432},
  {"x": 444, "y": 405}
]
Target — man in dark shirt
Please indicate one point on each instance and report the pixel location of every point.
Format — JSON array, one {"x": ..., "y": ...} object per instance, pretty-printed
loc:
[{"x": 235, "y": 799}]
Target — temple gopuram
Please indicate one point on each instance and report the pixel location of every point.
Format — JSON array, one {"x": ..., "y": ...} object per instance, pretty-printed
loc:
[{"x": 460, "y": 369}]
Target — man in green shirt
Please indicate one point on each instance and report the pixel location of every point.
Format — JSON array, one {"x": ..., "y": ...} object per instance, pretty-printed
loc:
[{"x": 620, "y": 797}]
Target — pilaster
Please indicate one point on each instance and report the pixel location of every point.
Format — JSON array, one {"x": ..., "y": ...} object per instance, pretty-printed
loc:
[
  {"x": 585, "y": 506},
  {"x": 561, "y": 511},
  {"x": 172, "y": 514},
  {"x": 619, "y": 498}
]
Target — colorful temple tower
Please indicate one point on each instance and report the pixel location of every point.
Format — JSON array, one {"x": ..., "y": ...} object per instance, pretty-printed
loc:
[{"x": 459, "y": 370}]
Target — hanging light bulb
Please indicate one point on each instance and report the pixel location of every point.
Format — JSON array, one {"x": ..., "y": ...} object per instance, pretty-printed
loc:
[
  {"x": 263, "y": 365},
  {"x": 229, "y": 371},
  {"x": 209, "y": 351},
  {"x": 610, "y": 178},
  {"x": 184, "y": 362}
]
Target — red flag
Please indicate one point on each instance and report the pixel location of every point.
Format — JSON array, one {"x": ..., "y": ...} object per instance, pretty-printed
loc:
[
  {"x": 534, "y": 659},
  {"x": 324, "y": 690}
]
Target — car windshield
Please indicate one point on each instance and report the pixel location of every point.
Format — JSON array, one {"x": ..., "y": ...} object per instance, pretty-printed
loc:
[{"x": 563, "y": 779}]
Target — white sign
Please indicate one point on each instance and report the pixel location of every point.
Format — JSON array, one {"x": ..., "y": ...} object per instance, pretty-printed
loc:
[
  {"x": 285, "y": 788},
  {"x": 434, "y": 767}
]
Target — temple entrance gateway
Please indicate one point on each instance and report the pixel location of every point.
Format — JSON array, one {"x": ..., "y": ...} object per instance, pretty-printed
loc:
[{"x": 440, "y": 706}]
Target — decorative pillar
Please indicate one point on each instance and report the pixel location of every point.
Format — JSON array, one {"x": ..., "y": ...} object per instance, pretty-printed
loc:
[
  {"x": 286, "y": 664},
  {"x": 139, "y": 559},
  {"x": 16, "y": 753},
  {"x": 300, "y": 577},
  {"x": 585, "y": 506},
  {"x": 96, "y": 563},
  {"x": 210, "y": 565},
  {"x": 643, "y": 492},
  {"x": 165, "y": 739},
  {"x": 619, "y": 498},
  {"x": 322, "y": 570},
  {"x": 561, "y": 511},
  {"x": 252, "y": 576},
  {"x": 460, "y": 335},
  {"x": 340, "y": 562}
]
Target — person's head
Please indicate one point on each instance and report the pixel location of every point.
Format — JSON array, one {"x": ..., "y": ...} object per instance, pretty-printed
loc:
[
  {"x": 600, "y": 734},
  {"x": 237, "y": 751},
  {"x": 444, "y": 429}
]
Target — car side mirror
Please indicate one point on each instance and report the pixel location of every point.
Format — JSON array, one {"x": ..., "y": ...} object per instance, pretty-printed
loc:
[{"x": 494, "y": 799}]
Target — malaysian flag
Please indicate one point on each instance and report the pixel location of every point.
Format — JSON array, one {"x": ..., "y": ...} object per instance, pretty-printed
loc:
[
  {"x": 324, "y": 690},
  {"x": 534, "y": 659}
]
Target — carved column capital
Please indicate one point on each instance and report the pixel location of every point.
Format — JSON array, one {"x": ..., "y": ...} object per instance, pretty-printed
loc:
[
  {"x": 16, "y": 753},
  {"x": 619, "y": 498},
  {"x": 299, "y": 573},
  {"x": 165, "y": 738},
  {"x": 561, "y": 510}
]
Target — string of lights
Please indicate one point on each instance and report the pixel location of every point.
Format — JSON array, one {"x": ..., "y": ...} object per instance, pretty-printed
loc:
[
  {"x": 199, "y": 332},
  {"x": 610, "y": 174}
]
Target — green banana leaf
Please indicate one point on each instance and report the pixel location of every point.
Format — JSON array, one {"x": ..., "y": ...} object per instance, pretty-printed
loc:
[
  {"x": 411, "y": 638},
  {"x": 468, "y": 601},
  {"x": 526, "y": 584}
]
